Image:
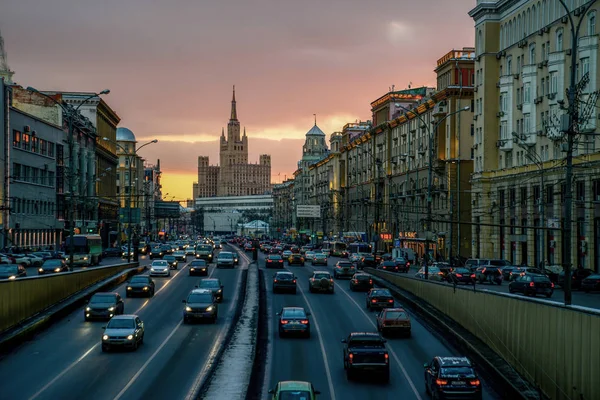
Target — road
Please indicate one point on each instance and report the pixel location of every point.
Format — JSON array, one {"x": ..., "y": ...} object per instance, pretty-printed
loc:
[
  {"x": 319, "y": 359},
  {"x": 590, "y": 300},
  {"x": 66, "y": 362}
]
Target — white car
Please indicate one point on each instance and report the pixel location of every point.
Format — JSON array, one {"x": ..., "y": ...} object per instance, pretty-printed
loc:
[
  {"x": 20, "y": 259},
  {"x": 189, "y": 251},
  {"x": 309, "y": 255},
  {"x": 286, "y": 254},
  {"x": 180, "y": 255},
  {"x": 36, "y": 261},
  {"x": 160, "y": 268}
]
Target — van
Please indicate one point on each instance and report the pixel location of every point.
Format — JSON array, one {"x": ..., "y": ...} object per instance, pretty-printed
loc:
[{"x": 407, "y": 254}]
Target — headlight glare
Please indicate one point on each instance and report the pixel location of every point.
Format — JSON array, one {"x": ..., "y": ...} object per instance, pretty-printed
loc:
[
  {"x": 130, "y": 337},
  {"x": 187, "y": 308},
  {"x": 145, "y": 287},
  {"x": 111, "y": 309},
  {"x": 105, "y": 337},
  {"x": 210, "y": 308},
  {"x": 12, "y": 277},
  {"x": 88, "y": 309},
  {"x": 128, "y": 287}
]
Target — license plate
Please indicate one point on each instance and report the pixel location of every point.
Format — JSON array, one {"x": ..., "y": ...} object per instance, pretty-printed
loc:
[
  {"x": 294, "y": 323},
  {"x": 459, "y": 383}
]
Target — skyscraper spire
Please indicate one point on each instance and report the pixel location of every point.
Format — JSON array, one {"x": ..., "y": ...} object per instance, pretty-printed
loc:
[
  {"x": 244, "y": 131},
  {"x": 223, "y": 132},
  {"x": 233, "y": 108}
]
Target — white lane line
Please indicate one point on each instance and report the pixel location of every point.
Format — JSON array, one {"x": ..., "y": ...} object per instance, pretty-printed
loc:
[
  {"x": 323, "y": 351},
  {"x": 132, "y": 380},
  {"x": 70, "y": 367}
]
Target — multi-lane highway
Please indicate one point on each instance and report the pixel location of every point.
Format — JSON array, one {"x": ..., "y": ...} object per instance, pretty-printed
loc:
[
  {"x": 319, "y": 358},
  {"x": 66, "y": 361}
]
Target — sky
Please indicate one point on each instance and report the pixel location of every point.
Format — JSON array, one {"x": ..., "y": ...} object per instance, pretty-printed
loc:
[{"x": 170, "y": 65}]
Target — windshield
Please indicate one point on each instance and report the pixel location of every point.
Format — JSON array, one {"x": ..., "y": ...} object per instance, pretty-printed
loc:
[
  {"x": 139, "y": 279},
  {"x": 52, "y": 263},
  {"x": 274, "y": 257},
  {"x": 345, "y": 264},
  {"x": 284, "y": 277},
  {"x": 9, "y": 269},
  {"x": 294, "y": 395},
  {"x": 204, "y": 247},
  {"x": 320, "y": 255},
  {"x": 396, "y": 315},
  {"x": 169, "y": 258},
  {"x": 209, "y": 284},
  {"x": 362, "y": 277},
  {"x": 382, "y": 292},
  {"x": 593, "y": 277},
  {"x": 199, "y": 263},
  {"x": 102, "y": 298},
  {"x": 462, "y": 271},
  {"x": 457, "y": 371},
  {"x": 367, "y": 342},
  {"x": 159, "y": 264},
  {"x": 293, "y": 314},
  {"x": 225, "y": 255},
  {"x": 541, "y": 279},
  {"x": 120, "y": 323},
  {"x": 321, "y": 276},
  {"x": 200, "y": 298}
]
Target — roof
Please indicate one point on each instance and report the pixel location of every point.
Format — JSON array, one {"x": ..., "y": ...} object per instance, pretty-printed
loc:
[
  {"x": 293, "y": 308},
  {"x": 125, "y": 135},
  {"x": 454, "y": 361},
  {"x": 210, "y": 279},
  {"x": 124, "y": 316},
  {"x": 295, "y": 385},
  {"x": 315, "y": 131},
  {"x": 370, "y": 334},
  {"x": 201, "y": 291}
]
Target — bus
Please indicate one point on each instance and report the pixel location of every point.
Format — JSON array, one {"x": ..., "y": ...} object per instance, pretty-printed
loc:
[
  {"x": 87, "y": 249},
  {"x": 336, "y": 249},
  {"x": 359, "y": 247}
]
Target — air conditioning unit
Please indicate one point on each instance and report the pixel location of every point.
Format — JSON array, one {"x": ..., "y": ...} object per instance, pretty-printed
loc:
[
  {"x": 500, "y": 143},
  {"x": 552, "y": 244},
  {"x": 545, "y": 63},
  {"x": 551, "y": 96},
  {"x": 26, "y": 128},
  {"x": 477, "y": 58},
  {"x": 537, "y": 100},
  {"x": 474, "y": 117},
  {"x": 564, "y": 19},
  {"x": 500, "y": 114},
  {"x": 540, "y": 99},
  {"x": 547, "y": 29},
  {"x": 519, "y": 106},
  {"x": 577, "y": 12},
  {"x": 540, "y": 133},
  {"x": 516, "y": 76},
  {"x": 541, "y": 32},
  {"x": 476, "y": 146},
  {"x": 568, "y": 52}
]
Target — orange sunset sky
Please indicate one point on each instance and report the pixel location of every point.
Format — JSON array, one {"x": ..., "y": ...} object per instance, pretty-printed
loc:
[{"x": 171, "y": 64}]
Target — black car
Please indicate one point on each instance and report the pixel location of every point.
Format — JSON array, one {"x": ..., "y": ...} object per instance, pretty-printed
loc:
[
  {"x": 577, "y": 276},
  {"x": 214, "y": 285},
  {"x": 591, "y": 283},
  {"x": 461, "y": 275},
  {"x": 201, "y": 304},
  {"x": 198, "y": 267},
  {"x": 365, "y": 352},
  {"x": 293, "y": 320},
  {"x": 112, "y": 252},
  {"x": 53, "y": 266},
  {"x": 532, "y": 285},
  {"x": 236, "y": 258},
  {"x": 273, "y": 261},
  {"x": 104, "y": 306},
  {"x": 403, "y": 264},
  {"x": 141, "y": 285},
  {"x": 488, "y": 274},
  {"x": 389, "y": 266},
  {"x": 172, "y": 261},
  {"x": 367, "y": 260},
  {"x": 156, "y": 252},
  {"x": 452, "y": 377},
  {"x": 12, "y": 271},
  {"x": 379, "y": 298},
  {"x": 520, "y": 271},
  {"x": 361, "y": 282},
  {"x": 284, "y": 281}
]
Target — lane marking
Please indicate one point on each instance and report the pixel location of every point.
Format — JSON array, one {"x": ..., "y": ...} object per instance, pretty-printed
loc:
[{"x": 74, "y": 363}]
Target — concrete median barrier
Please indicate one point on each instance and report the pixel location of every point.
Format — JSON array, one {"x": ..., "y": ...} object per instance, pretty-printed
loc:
[
  {"x": 554, "y": 347},
  {"x": 21, "y": 299}
]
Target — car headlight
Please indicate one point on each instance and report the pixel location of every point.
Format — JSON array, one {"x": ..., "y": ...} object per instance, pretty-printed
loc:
[
  {"x": 188, "y": 308},
  {"x": 128, "y": 287},
  {"x": 56, "y": 269},
  {"x": 192, "y": 269},
  {"x": 146, "y": 288},
  {"x": 111, "y": 309},
  {"x": 85, "y": 258},
  {"x": 105, "y": 337},
  {"x": 88, "y": 309},
  {"x": 219, "y": 291},
  {"x": 41, "y": 269},
  {"x": 210, "y": 308},
  {"x": 12, "y": 277},
  {"x": 152, "y": 269},
  {"x": 130, "y": 337}
]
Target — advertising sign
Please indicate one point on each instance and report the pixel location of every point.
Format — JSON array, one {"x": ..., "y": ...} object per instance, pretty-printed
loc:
[{"x": 305, "y": 211}]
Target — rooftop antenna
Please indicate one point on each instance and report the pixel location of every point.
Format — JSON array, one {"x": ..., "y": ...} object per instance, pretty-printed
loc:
[
  {"x": 409, "y": 84},
  {"x": 393, "y": 87},
  {"x": 315, "y": 115}
]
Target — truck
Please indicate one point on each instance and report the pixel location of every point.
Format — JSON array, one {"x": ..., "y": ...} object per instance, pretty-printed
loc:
[
  {"x": 404, "y": 252},
  {"x": 204, "y": 252},
  {"x": 365, "y": 353}
]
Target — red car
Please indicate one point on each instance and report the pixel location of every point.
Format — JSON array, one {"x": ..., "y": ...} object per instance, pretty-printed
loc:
[{"x": 393, "y": 320}]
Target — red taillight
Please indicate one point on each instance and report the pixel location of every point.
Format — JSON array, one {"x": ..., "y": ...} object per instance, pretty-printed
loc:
[
  {"x": 552, "y": 284},
  {"x": 475, "y": 382},
  {"x": 483, "y": 271},
  {"x": 531, "y": 284},
  {"x": 441, "y": 382},
  {"x": 387, "y": 358},
  {"x": 280, "y": 261},
  {"x": 350, "y": 357},
  {"x": 330, "y": 279},
  {"x": 373, "y": 301},
  {"x": 354, "y": 280},
  {"x": 274, "y": 280},
  {"x": 390, "y": 301},
  {"x": 458, "y": 275},
  {"x": 473, "y": 276},
  {"x": 283, "y": 322},
  {"x": 370, "y": 281},
  {"x": 294, "y": 281},
  {"x": 304, "y": 321},
  {"x": 408, "y": 264}
]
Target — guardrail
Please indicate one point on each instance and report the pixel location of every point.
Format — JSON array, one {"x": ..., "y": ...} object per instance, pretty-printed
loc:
[
  {"x": 553, "y": 346},
  {"x": 23, "y": 298}
]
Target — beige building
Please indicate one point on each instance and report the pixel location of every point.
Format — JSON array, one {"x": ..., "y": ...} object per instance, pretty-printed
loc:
[
  {"x": 283, "y": 208},
  {"x": 523, "y": 66},
  {"x": 234, "y": 176}
]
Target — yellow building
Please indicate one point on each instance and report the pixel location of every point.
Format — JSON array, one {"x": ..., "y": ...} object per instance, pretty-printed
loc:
[{"x": 523, "y": 65}]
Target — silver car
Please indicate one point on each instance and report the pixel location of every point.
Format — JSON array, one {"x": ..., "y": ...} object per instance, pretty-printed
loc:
[
  {"x": 160, "y": 268},
  {"x": 225, "y": 259},
  {"x": 125, "y": 331}
]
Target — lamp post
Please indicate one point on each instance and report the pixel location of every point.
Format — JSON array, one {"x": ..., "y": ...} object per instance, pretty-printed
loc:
[
  {"x": 131, "y": 158},
  {"x": 70, "y": 113},
  {"x": 430, "y": 133}
]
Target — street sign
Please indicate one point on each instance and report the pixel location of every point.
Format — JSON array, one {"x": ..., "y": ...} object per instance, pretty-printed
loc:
[{"x": 306, "y": 211}]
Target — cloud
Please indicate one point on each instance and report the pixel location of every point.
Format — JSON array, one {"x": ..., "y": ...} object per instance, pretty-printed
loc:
[{"x": 400, "y": 33}]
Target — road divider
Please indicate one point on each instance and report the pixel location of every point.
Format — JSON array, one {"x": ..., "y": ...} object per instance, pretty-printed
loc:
[{"x": 29, "y": 304}]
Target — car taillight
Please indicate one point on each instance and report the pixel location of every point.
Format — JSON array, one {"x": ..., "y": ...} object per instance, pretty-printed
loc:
[
  {"x": 440, "y": 273},
  {"x": 280, "y": 261},
  {"x": 330, "y": 279},
  {"x": 304, "y": 321},
  {"x": 441, "y": 382},
  {"x": 472, "y": 275},
  {"x": 408, "y": 264},
  {"x": 552, "y": 284},
  {"x": 350, "y": 357},
  {"x": 274, "y": 280},
  {"x": 531, "y": 284},
  {"x": 390, "y": 301},
  {"x": 354, "y": 280},
  {"x": 500, "y": 272},
  {"x": 294, "y": 281},
  {"x": 483, "y": 270},
  {"x": 387, "y": 358},
  {"x": 458, "y": 275},
  {"x": 374, "y": 301},
  {"x": 283, "y": 322},
  {"x": 370, "y": 281},
  {"x": 475, "y": 382}
]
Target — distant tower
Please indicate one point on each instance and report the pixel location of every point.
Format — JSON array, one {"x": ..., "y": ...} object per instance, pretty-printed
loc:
[{"x": 5, "y": 71}]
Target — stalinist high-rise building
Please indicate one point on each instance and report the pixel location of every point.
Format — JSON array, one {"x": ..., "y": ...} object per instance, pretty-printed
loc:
[{"x": 234, "y": 176}]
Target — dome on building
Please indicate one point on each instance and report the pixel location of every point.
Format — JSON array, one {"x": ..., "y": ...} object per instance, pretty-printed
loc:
[
  {"x": 315, "y": 131},
  {"x": 125, "y": 135}
]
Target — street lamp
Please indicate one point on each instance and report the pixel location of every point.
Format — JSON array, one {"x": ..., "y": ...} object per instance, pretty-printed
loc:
[
  {"x": 131, "y": 158},
  {"x": 70, "y": 113},
  {"x": 430, "y": 133}
]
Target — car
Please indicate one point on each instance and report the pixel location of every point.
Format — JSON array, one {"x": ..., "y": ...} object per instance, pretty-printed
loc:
[
  {"x": 205, "y": 252},
  {"x": 248, "y": 247},
  {"x": 591, "y": 283},
  {"x": 112, "y": 252},
  {"x": 577, "y": 276},
  {"x": 104, "y": 306},
  {"x": 167, "y": 248},
  {"x": 293, "y": 320},
  {"x": 236, "y": 258},
  {"x": 294, "y": 390},
  {"x": 20, "y": 259},
  {"x": 173, "y": 263},
  {"x": 36, "y": 261},
  {"x": 403, "y": 264},
  {"x": 214, "y": 285},
  {"x": 52, "y": 266},
  {"x": 452, "y": 377},
  {"x": 367, "y": 260},
  {"x": 296, "y": 259},
  {"x": 156, "y": 252},
  {"x": 198, "y": 267},
  {"x": 461, "y": 275},
  {"x": 12, "y": 271},
  {"x": 160, "y": 268},
  {"x": 309, "y": 255},
  {"x": 141, "y": 285},
  {"x": 180, "y": 255},
  {"x": 389, "y": 266},
  {"x": 433, "y": 273},
  {"x": 520, "y": 271},
  {"x": 189, "y": 251},
  {"x": 125, "y": 250},
  {"x": 286, "y": 254},
  {"x": 273, "y": 261},
  {"x": 321, "y": 281},
  {"x": 532, "y": 285},
  {"x": 200, "y": 304},
  {"x": 488, "y": 274},
  {"x": 125, "y": 331},
  {"x": 343, "y": 269},
  {"x": 393, "y": 321},
  {"x": 361, "y": 282},
  {"x": 319, "y": 259},
  {"x": 365, "y": 352},
  {"x": 378, "y": 298},
  {"x": 225, "y": 259},
  {"x": 284, "y": 281}
]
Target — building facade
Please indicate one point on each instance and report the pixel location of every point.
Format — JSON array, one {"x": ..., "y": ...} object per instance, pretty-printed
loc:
[
  {"x": 523, "y": 65},
  {"x": 152, "y": 190},
  {"x": 234, "y": 176},
  {"x": 283, "y": 208},
  {"x": 222, "y": 214}
]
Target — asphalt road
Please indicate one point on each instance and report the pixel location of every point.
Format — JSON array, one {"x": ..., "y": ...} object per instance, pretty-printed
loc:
[
  {"x": 66, "y": 362},
  {"x": 590, "y": 300},
  {"x": 319, "y": 359}
]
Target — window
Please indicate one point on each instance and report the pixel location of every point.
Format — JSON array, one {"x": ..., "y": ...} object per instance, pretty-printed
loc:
[
  {"x": 527, "y": 124},
  {"x": 585, "y": 66},
  {"x": 542, "y": 87},
  {"x": 559, "y": 40},
  {"x": 17, "y": 138},
  {"x": 543, "y": 51},
  {"x": 16, "y": 173},
  {"x": 553, "y": 82},
  {"x": 592, "y": 23},
  {"x": 26, "y": 145},
  {"x": 527, "y": 93},
  {"x": 35, "y": 144},
  {"x": 43, "y": 147},
  {"x": 509, "y": 65},
  {"x": 532, "y": 53}
]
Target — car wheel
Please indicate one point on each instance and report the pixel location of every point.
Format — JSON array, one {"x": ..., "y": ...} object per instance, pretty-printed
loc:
[
  {"x": 152, "y": 293},
  {"x": 185, "y": 320},
  {"x": 427, "y": 389}
]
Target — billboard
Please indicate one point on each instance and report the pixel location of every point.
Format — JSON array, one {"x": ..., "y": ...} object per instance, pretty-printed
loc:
[{"x": 305, "y": 211}]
